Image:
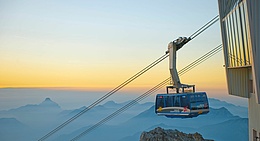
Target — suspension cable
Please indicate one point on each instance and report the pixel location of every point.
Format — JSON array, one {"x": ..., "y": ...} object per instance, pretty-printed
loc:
[
  {"x": 203, "y": 28},
  {"x": 207, "y": 55},
  {"x": 151, "y": 91},
  {"x": 105, "y": 96}
]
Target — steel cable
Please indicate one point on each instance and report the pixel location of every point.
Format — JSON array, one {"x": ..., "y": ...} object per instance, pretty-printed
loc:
[
  {"x": 105, "y": 96},
  {"x": 151, "y": 91},
  {"x": 195, "y": 34},
  {"x": 214, "y": 50},
  {"x": 204, "y": 27}
]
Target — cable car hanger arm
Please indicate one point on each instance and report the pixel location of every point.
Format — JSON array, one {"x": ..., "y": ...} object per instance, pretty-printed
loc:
[{"x": 173, "y": 47}]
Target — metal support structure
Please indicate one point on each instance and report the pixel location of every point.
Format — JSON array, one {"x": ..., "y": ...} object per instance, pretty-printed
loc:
[{"x": 173, "y": 47}]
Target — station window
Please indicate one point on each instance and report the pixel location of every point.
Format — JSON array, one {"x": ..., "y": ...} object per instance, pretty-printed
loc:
[{"x": 235, "y": 26}]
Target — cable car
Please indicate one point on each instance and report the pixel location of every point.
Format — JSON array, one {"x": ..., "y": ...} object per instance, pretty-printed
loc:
[{"x": 182, "y": 105}]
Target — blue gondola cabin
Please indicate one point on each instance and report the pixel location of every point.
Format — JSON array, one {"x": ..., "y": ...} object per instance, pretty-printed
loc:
[{"x": 182, "y": 105}]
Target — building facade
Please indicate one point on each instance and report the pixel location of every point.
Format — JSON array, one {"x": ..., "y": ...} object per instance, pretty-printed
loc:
[{"x": 240, "y": 30}]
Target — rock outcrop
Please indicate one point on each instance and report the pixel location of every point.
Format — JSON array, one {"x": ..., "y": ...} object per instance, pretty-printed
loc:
[{"x": 159, "y": 134}]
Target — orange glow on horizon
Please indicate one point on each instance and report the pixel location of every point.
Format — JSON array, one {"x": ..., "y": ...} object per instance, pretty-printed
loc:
[{"x": 98, "y": 80}]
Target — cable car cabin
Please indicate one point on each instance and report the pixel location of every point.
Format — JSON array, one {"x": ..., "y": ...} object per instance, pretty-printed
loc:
[{"x": 182, "y": 105}]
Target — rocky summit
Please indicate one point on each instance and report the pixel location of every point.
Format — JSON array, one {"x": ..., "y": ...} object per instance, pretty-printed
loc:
[{"x": 159, "y": 134}]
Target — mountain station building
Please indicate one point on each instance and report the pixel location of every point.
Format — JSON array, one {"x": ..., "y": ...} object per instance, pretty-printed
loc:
[{"x": 240, "y": 31}]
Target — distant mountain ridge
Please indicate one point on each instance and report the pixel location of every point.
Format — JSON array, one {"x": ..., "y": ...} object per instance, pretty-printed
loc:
[
  {"x": 12, "y": 129},
  {"x": 47, "y": 104},
  {"x": 38, "y": 119},
  {"x": 148, "y": 118},
  {"x": 234, "y": 109}
]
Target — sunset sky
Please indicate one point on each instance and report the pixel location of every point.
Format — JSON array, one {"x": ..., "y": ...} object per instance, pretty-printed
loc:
[{"x": 97, "y": 44}]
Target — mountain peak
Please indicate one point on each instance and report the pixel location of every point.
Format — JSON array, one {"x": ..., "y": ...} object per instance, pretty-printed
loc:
[
  {"x": 47, "y": 99},
  {"x": 162, "y": 134},
  {"x": 110, "y": 104},
  {"x": 49, "y": 103}
]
